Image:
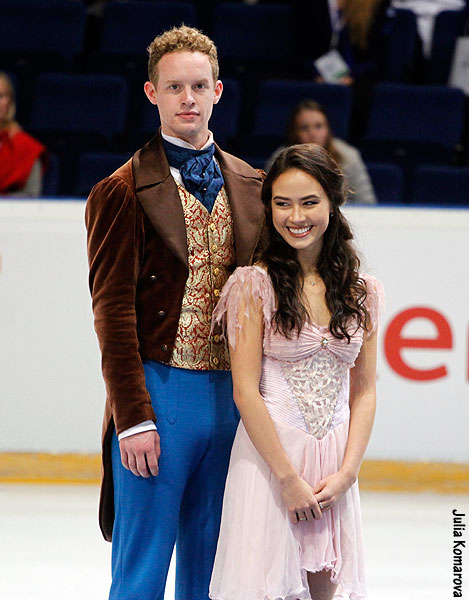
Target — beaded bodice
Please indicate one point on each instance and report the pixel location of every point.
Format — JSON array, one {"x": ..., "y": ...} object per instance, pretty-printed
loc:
[
  {"x": 304, "y": 379},
  {"x": 315, "y": 366},
  {"x": 315, "y": 382}
]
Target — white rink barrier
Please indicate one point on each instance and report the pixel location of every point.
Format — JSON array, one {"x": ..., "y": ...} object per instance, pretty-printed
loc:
[{"x": 51, "y": 391}]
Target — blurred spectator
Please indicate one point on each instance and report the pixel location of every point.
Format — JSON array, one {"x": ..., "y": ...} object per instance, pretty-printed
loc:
[
  {"x": 353, "y": 28},
  {"x": 309, "y": 123},
  {"x": 22, "y": 158},
  {"x": 426, "y": 12}
]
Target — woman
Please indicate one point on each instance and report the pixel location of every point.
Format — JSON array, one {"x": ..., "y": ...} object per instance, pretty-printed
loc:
[
  {"x": 309, "y": 123},
  {"x": 301, "y": 325},
  {"x": 22, "y": 158},
  {"x": 354, "y": 28}
]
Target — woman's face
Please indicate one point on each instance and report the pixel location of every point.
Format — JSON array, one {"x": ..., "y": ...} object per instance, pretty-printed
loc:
[
  {"x": 300, "y": 210},
  {"x": 5, "y": 100},
  {"x": 311, "y": 127}
]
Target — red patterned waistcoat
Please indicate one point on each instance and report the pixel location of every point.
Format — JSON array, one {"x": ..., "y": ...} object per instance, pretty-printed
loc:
[{"x": 211, "y": 257}]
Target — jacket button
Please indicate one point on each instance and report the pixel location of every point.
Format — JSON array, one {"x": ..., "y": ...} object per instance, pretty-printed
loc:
[
  {"x": 215, "y": 361},
  {"x": 164, "y": 347},
  {"x": 216, "y": 293},
  {"x": 153, "y": 278},
  {"x": 216, "y": 338},
  {"x": 161, "y": 314}
]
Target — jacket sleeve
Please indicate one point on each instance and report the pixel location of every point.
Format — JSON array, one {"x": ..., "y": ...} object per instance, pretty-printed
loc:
[{"x": 115, "y": 228}]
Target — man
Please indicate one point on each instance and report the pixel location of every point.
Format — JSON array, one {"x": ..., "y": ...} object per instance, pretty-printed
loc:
[{"x": 164, "y": 232}]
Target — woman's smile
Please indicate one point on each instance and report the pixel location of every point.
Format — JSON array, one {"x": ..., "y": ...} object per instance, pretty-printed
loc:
[{"x": 299, "y": 231}]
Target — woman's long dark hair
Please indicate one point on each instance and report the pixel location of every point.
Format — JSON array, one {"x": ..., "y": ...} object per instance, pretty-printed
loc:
[{"x": 338, "y": 263}]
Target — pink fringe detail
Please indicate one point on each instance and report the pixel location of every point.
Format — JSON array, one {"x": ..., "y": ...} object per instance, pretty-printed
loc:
[
  {"x": 374, "y": 300},
  {"x": 248, "y": 285}
]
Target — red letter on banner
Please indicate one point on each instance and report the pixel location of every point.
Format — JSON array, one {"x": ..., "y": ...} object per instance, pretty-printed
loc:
[{"x": 394, "y": 343}]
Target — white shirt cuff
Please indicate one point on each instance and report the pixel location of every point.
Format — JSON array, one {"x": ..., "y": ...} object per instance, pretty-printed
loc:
[{"x": 140, "y": 428}]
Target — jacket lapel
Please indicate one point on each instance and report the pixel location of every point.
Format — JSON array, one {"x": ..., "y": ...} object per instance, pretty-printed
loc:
[
  {"x": 158, "y": 194},
  {"x": 243, "y": 185}
]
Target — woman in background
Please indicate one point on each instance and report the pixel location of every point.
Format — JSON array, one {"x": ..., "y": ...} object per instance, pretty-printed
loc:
[
  {"x": 22, "y": 158},
  {"x": 309, "y": 123},
  {"x": 352, "y": 27},
  {"x": 301, "y": 325}
]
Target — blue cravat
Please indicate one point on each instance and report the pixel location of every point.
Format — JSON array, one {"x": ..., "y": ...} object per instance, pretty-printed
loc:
[{"x": 200, "y": 174}]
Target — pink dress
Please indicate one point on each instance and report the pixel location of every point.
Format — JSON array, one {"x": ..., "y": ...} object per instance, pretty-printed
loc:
[{"x": 261, "y": 555}]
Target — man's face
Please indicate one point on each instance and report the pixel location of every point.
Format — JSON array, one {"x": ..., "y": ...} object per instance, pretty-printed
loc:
[{"x": 185, "y": 94}]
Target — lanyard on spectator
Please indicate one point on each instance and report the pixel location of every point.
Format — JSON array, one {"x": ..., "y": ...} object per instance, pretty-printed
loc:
[{"x": 337, "y": 23}]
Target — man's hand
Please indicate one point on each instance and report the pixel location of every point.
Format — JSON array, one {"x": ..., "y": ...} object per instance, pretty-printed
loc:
[{"x": 140, "y": 453}]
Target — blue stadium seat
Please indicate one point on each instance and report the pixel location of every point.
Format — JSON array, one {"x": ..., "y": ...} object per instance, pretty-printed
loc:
[
  {"x": 248, "y": 35},
  {"x": 402, "y": 45},
  {"x": 146, "y": 120},
  {"x": 129, "y": 27},
  {"x": 388, "y": 182},
  {"x": 79, "y": 104},
  {"x": 51, "y": 182},
  {"x": 411, "y": 124},
  {"x": 226, "y": 114},
  {"x": 276, "y": 99},
  {"x": 440, "y": 185},
  {"x": 127, "y": 30},
  {"x": 49, "y": 33},
  {"x": 94, "y": 166},
  {"x": 449, "y": 25},
  {"x": 77, "y": 113}
]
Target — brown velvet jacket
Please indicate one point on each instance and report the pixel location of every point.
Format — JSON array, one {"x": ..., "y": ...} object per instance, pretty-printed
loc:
[{"x": 138, "y": 259}]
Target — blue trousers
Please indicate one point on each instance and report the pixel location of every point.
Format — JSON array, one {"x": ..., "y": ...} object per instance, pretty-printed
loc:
[{"x": 196, "y": 420}]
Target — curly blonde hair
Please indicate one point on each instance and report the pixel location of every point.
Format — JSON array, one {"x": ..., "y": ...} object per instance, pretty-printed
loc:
[{"x": 181, "y": 38}]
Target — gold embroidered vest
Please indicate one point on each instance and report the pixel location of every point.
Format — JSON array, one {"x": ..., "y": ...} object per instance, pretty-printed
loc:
[{"x": 210, "y": 246}]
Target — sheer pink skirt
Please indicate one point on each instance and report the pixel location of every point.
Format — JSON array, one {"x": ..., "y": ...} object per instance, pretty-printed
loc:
[{"x": 261, "y": 555}]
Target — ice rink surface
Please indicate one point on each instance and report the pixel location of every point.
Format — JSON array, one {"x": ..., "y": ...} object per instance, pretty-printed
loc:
[{"x": 51, "y": 547}]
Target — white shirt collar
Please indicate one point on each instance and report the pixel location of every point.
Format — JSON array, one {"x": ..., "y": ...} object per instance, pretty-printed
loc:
[{"x": 183, "y": 144}]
